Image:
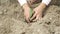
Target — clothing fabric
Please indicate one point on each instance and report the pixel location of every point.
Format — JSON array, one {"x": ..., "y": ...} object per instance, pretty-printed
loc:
[
  {"x": 46, "y": 1},
  {"x": 22, "y": 2}
]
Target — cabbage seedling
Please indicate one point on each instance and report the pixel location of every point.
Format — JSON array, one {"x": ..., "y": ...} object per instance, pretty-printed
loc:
[{"x": 31, "y": 12}]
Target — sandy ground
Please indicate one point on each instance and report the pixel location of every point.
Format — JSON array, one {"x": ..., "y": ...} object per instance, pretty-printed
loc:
[{"x": 12, "y": 20}]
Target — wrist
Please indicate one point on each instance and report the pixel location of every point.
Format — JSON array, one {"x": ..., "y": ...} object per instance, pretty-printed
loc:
[
  {"x": 25, "y": 6},
  {"x": 41, "y": 6}
]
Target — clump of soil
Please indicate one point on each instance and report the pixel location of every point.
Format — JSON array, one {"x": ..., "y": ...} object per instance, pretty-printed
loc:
[{"x": 12, "y": 20}]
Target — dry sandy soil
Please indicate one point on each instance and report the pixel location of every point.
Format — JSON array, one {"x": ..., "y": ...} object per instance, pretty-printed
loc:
[{"x": 12, "y": 19}]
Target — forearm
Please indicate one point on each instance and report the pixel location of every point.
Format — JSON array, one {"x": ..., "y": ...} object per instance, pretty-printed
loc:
[{"x": 43, "y": 4}]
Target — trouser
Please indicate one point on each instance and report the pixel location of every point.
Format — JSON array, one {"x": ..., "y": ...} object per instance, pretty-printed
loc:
[{"x": 31, "y": 2}]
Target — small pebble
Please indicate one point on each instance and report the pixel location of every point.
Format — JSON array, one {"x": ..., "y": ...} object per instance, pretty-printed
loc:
[{"x": 1, "y": 12}]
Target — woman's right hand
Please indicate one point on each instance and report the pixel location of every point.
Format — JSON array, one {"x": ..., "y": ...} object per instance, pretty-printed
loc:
[{"x": 26, "y": 12}]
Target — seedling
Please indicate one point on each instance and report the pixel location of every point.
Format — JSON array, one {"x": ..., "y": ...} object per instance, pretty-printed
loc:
[{"x": 31, "y": 12}]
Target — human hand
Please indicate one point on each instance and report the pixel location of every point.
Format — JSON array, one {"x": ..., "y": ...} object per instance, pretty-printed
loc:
[
  {"x": 37, "y": 14},
  {"x": 26, "y": 12}
]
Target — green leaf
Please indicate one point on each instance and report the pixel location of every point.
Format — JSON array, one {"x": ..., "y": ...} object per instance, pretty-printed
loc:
[{"x": 31, "y": 12}]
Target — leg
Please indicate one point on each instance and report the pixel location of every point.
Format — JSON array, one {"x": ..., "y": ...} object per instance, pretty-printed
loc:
[{"x": 31, "y": 1}]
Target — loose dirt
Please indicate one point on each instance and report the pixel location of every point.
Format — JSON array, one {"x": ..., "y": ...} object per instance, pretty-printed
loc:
[{"x": 12, "y": 20}]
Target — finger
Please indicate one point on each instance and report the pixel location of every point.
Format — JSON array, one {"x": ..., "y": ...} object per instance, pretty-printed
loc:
[
  {"x": 33, "y": 16},
  {"x": 27, "y": 20},
  {"x": 36, "y": 18}
]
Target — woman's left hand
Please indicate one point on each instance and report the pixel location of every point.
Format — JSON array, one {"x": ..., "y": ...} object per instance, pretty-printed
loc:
[{"x": 37, "y": 14}]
